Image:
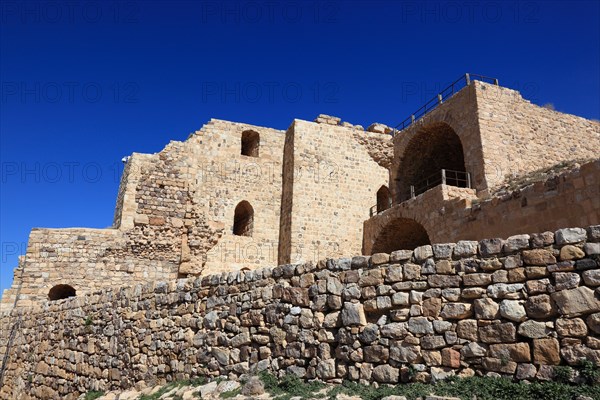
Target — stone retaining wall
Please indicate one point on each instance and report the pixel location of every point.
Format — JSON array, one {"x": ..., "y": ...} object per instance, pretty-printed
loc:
[{"x": 512, "y": 307}]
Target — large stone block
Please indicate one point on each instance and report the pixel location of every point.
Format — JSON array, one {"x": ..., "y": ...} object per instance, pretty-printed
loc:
[{"x": 579, "y": 301}]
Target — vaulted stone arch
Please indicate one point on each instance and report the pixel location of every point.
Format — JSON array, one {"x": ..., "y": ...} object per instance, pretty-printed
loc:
[
  {"x": 434, "y": 147},
  {"x": 400, "y": 234},
  {"x": 62, "y": 291}
]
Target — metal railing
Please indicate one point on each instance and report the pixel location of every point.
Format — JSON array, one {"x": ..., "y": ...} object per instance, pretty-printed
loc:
[
  {"x": 446, "y": 93},
  {"x": 443, "y": 177}
]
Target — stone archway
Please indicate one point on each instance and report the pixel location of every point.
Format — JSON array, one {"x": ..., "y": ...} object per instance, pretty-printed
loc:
[
  {"x": 400, "y": 234},
  {"x": 243, "y": 220},
  {"x": 384, "y": 199},
  {"x": 434, "y": 147},
  {"x": 60, "y": 292}
]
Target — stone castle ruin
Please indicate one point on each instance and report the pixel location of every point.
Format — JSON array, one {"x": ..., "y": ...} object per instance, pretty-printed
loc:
[{"x": 416, "y": 206}]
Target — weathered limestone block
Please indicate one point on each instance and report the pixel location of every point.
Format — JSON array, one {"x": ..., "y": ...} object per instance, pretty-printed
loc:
[
  {"x": 430, "y": 342},
  {"x": 481, "y": 279},
  {"x": 542, "y": 239},
  {"x": 380, "y": 258},
  {"x": 499, "y": 365},
  {"x": 401, "y": 255},
  {"x": 326, "y": 369},
  {"x": 591, "y": 249},
  {"x": 393, "y": 274},
  {"x": 450, "y": 358},
  {"x": 467, "y": 329},
  {"x": 386, "y": 374},
  {"x": 525, "y": 371},
  {"x": 405, "y": 351},
  {"x": 353, "y": 314},
  {"x": 546, "y": 351},
  {"x": 443, "y": 250},
  {"x": 490, "y": 247},
  {"x": 518, "y": 352},
  {"x": 456, "y": 311},
  {"x": 412, "y": 272},
  {"x": 542, "y": 306},
  {"x": 420, "y": 326},
  {"x": 394, "y": 330},
  {"x": 570, "y": 252},
  {"x": 376, "y": 354},
  {"x": 538, "y": 257},
  {"x": 498, "y": 333},
  {"x": 513, "y": 310},
  {"x": 574, "y": 327},
  {"x": 593, "y": 322},
  {"x": 566, "y": 280},
  {"x": 473, "y": 349},
  {"x": 444, "y": 281},
  {"x": 400, "y": 299},
  {"x": 570, "y": 235},
  {"x": 465, "y": 248},
  {"x": 444, "y": 267},
  {"x": 534, "y": 329},
  {"x": 505, "y": 291},
  {"x": 573, "y": 354},
  {"x": 486, "y": 308},
  {"x": 422, "y": 253},
  {"x": 579, "y": 301},
  {"x": 591, "y": 277},
  {"x": 516, "y": 243}
]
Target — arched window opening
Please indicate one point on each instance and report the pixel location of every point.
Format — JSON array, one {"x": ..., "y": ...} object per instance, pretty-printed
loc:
[
  {"x": 250, "y": 143},
  {"x": 434, "y": 148},
  {"x": 59, "y": 292},
  {"x": 243, "y": 220},
  {"x": 400, "y": 234},
  {"x": 384, "y": 199}
]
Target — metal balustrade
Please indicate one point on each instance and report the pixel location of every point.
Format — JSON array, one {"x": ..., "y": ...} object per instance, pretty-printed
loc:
[{"x": 445, "y": 94}]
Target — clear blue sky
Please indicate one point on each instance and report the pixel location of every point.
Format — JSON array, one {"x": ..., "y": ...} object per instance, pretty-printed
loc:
[{"x": 85, "y": 83}]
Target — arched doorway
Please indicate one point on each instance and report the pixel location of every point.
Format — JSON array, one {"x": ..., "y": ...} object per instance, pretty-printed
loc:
[
  {"x": 400, "y": 234},
  {"x": 243, "y": 220},
  {"x": 250, "y": 143},
  {"x": 434, "y": 148},
  {"x": 59, "y": 292},
  {"x": 384, "y": 199}
]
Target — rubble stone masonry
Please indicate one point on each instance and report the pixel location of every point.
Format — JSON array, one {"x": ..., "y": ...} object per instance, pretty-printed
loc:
[{"x": 515, "y": 307}]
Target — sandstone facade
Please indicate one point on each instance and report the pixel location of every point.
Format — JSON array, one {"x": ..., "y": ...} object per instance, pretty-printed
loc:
[
  {"x": 236, "y": 197},
  {"x": 512, "y": 307}
]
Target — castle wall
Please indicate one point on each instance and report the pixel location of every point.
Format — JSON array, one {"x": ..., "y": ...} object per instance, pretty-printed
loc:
[
  {"x": 516, "y": 307},
  {"x": 520, "y": 137},
  {"x": 449, "y": 214},
  {"x": 459, "y": 113},
  {"x": 335, "y": 182},
  {"x": 224, "y": 177},
  {"x": 502, "y": 135}
]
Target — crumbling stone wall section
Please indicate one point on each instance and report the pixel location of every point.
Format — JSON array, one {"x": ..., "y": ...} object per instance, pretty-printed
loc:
[
  {"x": 514, "y": 307},
  {"x": 379, "y": 145}
]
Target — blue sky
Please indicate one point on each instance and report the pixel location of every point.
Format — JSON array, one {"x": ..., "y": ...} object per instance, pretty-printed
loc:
[{"x": 85, "y": 83}]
